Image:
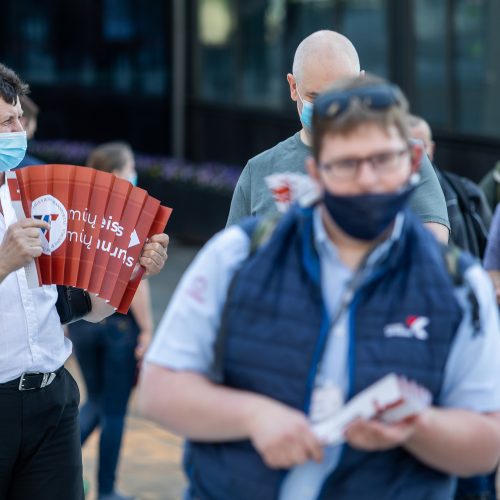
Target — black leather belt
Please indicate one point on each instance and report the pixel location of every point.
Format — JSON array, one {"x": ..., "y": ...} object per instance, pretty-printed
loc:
[{"x": 29, "y": 381}]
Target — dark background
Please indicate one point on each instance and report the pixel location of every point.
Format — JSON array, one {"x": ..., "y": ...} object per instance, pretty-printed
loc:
[{"x": 104, "y": 69}]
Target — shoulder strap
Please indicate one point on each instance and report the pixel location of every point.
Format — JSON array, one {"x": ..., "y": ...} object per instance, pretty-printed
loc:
[
  {"x": 451, "y": 255},
  {"x": 474, "y": 209},
  {"x": 259, "y": 230},
  {"x": 496, "y": 181},
  {"x": 457, "y": 264}
]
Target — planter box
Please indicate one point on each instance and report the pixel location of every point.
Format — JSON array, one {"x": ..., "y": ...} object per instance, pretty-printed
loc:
[{"x": 198, "y": 213}]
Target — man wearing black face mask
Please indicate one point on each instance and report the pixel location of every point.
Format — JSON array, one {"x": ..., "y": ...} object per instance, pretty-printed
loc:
[{"x": 262, "y": 332}]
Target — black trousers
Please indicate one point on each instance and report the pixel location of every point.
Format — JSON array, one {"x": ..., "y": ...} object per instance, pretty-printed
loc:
[{"x": 40, "y": 452}]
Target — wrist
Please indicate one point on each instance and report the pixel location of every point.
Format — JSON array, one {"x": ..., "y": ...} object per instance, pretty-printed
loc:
[
  {"x": 249, "y": 413},
  {"x": 3, "y": 271},
  {"x": 423, "y": 422},
  {"x": 252, "y": 409},
  {"x": 144, "y": 338}
]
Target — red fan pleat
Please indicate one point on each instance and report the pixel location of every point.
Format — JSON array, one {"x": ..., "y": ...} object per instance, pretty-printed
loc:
[{"x": 98, "y": 227}]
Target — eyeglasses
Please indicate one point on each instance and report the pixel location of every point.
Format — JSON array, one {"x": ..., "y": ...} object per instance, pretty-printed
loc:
[
  {"x": 347, "y": 169},
  {"x": 377, "y": 96}
]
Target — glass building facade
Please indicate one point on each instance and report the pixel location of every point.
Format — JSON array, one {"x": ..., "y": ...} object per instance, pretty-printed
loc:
[
  {"x": 103, "y": 69},
  {"x": 451, "y": 51},
  {"x": 445, "y": 55},
  {"x": 99, "y": 69}
]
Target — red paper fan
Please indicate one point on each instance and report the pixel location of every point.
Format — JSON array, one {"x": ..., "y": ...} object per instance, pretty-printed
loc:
[{"x": 99, "y": 224}]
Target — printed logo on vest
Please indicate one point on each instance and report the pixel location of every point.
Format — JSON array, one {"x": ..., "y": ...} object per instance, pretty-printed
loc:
[{"x": 413, "y": 327}]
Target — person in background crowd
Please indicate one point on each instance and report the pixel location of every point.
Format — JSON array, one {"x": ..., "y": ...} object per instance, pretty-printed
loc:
[
  {"x": 320, "y": 60},
  {"x": 29, "y": 121},
  {"x": 108, "y": 352},
  {"x": 40, "y": 452},
  {"x": 490, "y": 184},
  {"x": 268, "y": 323},
  {"x": 468, "y": 210}
]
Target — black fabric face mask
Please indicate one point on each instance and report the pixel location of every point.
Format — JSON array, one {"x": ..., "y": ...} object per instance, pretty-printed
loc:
[{"x": 366, "y": 216}]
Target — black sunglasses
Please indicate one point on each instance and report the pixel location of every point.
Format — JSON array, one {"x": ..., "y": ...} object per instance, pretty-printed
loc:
[{"x": 335, "y": 102}]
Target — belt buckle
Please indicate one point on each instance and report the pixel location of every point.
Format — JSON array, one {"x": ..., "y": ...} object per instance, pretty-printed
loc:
[{"x": 47, "y": 379}]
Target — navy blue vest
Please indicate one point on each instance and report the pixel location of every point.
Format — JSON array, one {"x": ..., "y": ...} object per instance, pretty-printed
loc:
[{"x": 274, "y": 329}]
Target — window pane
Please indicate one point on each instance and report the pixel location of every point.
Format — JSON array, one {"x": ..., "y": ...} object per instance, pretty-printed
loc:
[
  {"x": 246, "y": 48},
  {"x": 68, "y": 44},
  {"x": 364, "y": 22},
  {"x": 270, "y": 32},
  {"x": 431, "y": 94},
  {"x": 27, "y": 44},
  {"x": 477, "y": 66},
  {"x": 214, "y": 71}
]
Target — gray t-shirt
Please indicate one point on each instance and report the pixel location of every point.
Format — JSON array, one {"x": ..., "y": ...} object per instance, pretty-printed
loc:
[{"x": 252, "y": 196}]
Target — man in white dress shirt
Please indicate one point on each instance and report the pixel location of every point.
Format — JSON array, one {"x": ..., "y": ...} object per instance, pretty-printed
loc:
[{"x": 40, "y": 453}]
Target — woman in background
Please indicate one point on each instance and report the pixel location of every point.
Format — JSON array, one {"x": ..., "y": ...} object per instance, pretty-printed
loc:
[{"x": 108, "y": 352}]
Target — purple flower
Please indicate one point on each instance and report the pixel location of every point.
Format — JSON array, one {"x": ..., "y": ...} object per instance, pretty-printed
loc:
[{"x": 209, "y": 175}]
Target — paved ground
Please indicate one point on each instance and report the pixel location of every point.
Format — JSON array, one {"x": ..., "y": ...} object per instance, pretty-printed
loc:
[{"x": 150, "y": 459}]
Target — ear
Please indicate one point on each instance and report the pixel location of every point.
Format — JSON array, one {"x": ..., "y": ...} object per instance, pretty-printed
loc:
[
  {"x": 431, "y": 148},
  {"x": 293, "y": 86},
  {"x": 417, "y": 152},
  {"x": 313, "y": 171},
  {"x": 312, "y": 168}
]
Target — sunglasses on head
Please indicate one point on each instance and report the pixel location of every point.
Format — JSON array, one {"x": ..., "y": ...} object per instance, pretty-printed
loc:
[{"x": 335, "y": 102}]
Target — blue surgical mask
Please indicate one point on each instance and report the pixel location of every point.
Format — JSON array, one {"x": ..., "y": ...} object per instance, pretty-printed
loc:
[
  {"x": 367, "y": 216},
  {"x": 306, "y": 113},
  {"x": 12, "y": 149},
  {"x": 132, "y": 178}
]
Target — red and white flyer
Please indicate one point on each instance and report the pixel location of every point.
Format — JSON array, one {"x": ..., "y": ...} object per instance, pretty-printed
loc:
[
  {"x": 99, "y": 224},
  {"x": 391, "y": 399}
]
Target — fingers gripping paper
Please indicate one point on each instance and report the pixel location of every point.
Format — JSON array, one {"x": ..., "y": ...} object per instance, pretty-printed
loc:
[
  {"x": 391, "y": 399},
  {"x": 98, "y": 227}
]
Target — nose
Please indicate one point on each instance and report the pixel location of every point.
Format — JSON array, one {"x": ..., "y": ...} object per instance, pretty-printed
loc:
[
  {"x": 17, "y": 126},
  {"x": 367, "y": 176}
]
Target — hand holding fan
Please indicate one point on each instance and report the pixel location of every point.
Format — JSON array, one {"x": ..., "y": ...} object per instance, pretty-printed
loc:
[{"x": 99, "y": 224}]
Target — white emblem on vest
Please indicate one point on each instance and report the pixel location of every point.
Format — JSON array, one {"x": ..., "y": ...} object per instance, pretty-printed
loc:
[{"x": 414, "y": 326}]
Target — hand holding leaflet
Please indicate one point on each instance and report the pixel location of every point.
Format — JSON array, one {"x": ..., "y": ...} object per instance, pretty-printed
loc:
[
  {"x": 99, "y": 225},
  {"x": 391, "y": 399}
]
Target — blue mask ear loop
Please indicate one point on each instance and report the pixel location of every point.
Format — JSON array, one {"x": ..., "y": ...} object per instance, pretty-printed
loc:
[{"x": 306, "y": 113}]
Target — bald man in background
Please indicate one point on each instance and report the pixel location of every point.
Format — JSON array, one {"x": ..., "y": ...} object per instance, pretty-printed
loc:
[{"x": 321, "y": 59}]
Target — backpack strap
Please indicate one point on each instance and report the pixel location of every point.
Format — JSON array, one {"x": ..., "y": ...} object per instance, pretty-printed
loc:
[
  {"x": 475, "y": 212},
  {"x": 496, "y": 180},
  {"x": 451, "y": 255},
  {"x": 457, "y": 262},
  {"x": 259, "y": 230}
]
